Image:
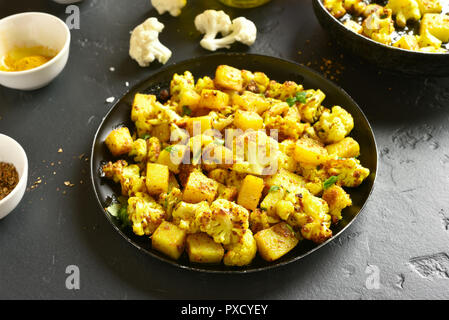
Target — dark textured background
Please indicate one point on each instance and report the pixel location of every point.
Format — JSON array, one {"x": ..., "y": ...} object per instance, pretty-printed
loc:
[{"x": 404, "y": 231}]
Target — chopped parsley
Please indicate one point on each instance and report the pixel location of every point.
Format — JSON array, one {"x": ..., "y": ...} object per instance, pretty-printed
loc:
[
  {"x": 263, "y": 209},
  {"x": 290, "y": 101},
  {"x": 146, "y": 136},
  {"x": 329, "y": 182},
  {"x": 274, "y": 188},
  {"x": 170, "y": 149},
  {"x": 186, "y": 111},
  {"x": 299, "y": 97}
]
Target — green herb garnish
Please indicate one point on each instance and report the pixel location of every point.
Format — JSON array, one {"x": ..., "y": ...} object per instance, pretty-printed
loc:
[
  {"x": 290, "y": 101},
  {"x": 146, "y": 136},
  {"x": 329, "y": 182},
  {"x": 186, "y": 111},
  {"x": 301, "y": 96},
  {"x": 274, "y": 188},
  {"x": 263, "y": 209},
  {"x": 124, "y": 217},
  {"x": 170, "y": 149},
  {"x": 114, "y": 208}
]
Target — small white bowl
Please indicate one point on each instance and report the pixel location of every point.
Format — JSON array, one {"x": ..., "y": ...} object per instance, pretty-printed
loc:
[
  {"x": 12, "y": 152},
  {"x": 31, "y": 29}
]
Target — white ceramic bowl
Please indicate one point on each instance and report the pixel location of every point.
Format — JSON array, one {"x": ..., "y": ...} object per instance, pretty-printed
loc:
[
  {"x": 12, "y": 152},
  {"x": 31, "y": 29}
]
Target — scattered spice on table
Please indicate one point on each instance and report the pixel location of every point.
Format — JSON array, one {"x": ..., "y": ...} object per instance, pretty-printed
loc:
[{"x": 8, "y": 178}]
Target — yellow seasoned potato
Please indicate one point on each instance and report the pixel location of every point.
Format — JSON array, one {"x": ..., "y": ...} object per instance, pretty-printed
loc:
[
  {"x": 169, "y": 239},
  {"x": 346, "y": 148},
  {"x": 203, "y": 249},
  {"x": 227, "y": 77},
  {"x": 250, "y": 192},
  {"x": 248, "y": 120},
  {"x": 119, "y": 141},
  {"x": 309, "y": 151},
  {"x": 409, "y": 42},
  {"x": 429, "y": 6},
  {"x": 213, "y": 99},
  {"x": 199, "y": 188},
  {"x": 229, "y": 167},
  {"x": 274, "y": 242},
  {"x": 157, "y": 178},
  {"x": 437, "y": 25}
]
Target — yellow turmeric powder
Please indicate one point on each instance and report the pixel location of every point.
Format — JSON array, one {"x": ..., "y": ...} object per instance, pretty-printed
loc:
[{"x": 20, "y": 59}]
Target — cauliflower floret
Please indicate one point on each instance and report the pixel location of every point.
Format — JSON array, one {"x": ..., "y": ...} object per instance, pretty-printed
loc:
[
  {"x": 226, "y": 222},
  {"x": 145, "y": 45},
  {"x": 311, "y": 110},
  {"x": 316, "y": 231},
  {"x": 172, "y": 6},
  {"x": 186, "y": 215},
  {"x": 404, "y": 10},
  {"x": 242, "y": 252},
  {"x": 181, "y": 83},
  {"x": 334, "y": 126},
  {"x": 355, "y": 6},
  {"x": 350, "y": 172},
  {"x": 337, "y": 199},
  {"x": 128, "y": 175},
  {"x": 169, "y": 200},
  {"x": 139, "y": 150},
  {"x": 378, "y": 25},
  {"x": 256, "y": 82},
  {"x": 145, "y": 214},
  {"x": 211, "y": 22},
  {"x": 260, "y": 220},
  {"x": 114, "y": 170},
  {"x": 288, "y": 124},
  {"x": 282, "y": 91}
]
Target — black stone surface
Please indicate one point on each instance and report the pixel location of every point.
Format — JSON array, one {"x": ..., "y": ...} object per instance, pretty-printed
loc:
[{"x": 403, "y": 234}]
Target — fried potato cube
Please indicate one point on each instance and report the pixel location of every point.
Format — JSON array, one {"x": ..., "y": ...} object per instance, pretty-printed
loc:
[
  {"x": 198, "y": 125},
  {"x": 346, "y": 148},
  {"x": 119, "y": 141},
  {"x": 213, "y": 99},
  {"x": 250, "y": 192},
  {"x": 172, "y": 157},
  {"x": 250, "y": 101},
  {"x": 275, "y": 241},
  {"x": 409, "y": 42},
  {"x": 199, "y": 188},
  {"x": 157, "y": 178},
  {"x": 437, "y": 25},
  {"x": 189, "y": 98},
  {"x": 309, "y": 151},
  {"x": 141, "y": 106},
  {"x": 201, "y": 248},
  {"x": 429, "y": 6},
  {"x": 169, "y": 239},
  {"x": 227, "y": 77},
  {"x": 248, "y": 120}
]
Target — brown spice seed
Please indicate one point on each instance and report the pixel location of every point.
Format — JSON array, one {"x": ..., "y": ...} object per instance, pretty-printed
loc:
[{"x": 8, "y": 178}]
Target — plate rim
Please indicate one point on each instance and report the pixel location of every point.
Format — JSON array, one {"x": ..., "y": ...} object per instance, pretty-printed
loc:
[{"x": 238, "y": 270}]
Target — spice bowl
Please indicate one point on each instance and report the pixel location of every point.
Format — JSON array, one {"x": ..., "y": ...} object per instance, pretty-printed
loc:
[
  {"x": 12, "y": 152},
  {"x": 34, "y": 29}
]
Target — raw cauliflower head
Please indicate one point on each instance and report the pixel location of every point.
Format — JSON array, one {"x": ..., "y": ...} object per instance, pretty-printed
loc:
[
  {"x": 172, "y": 6},
  {"x": 145, "y": 214},
  {"x": 242, "y": 252},
  {"x": 144, "y": 43},
  {"x": 226, "y": 222}
]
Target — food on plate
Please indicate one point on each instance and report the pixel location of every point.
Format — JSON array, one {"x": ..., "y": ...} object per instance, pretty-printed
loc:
[
  {"x": 173, "y": 7},
  {"x": 212, "y": 22},
  {"x": 145, "y": 46},
  {"x": 418, "y": 25},
  {"x": 8, "y": 179},
  {"x": 26, "y": 58},
  {"x": 233, "y": 166}
]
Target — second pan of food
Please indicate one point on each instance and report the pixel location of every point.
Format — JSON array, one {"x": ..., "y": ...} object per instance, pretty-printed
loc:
[{"x": 233, "y": 163}]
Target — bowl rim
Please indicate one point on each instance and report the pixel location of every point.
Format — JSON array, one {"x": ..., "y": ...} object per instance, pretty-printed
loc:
[
  {"x": 194, "y": 267},
  {"x": 369, "y": 40},
  {"x": 47, "y": 64},
  {"x": 23, "y": 174}
]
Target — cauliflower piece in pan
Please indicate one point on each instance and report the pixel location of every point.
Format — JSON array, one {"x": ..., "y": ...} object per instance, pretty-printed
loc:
[
  {"x": 350, "y": 172},
  {"x": 337, "y": 199},
  {"x": 145, "y": 214},
  {"x": 379, "y": 25},
  {"x": 242, "y": 252},
  {"x": 334, "y": 125},
  {"x": 404, "y": 10},
  {"x": 335, "y": 7},
  {"x": 226, "y": 222}
]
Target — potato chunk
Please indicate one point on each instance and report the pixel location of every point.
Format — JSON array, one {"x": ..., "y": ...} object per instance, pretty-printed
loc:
[
  {"x": 199, "y": 188},
  {"x": 275, "y": 241},
  {"x": 429, "y": 6},
  {"x": 157, "y": 178},
  {"x": 250, "y": 101},
  {"x": 198, "y": 125},
  {"x": 227, "y": 77},
  {"x": 437, "y": 25},
  {"x": 169, "y": 239},
  {"x": 346, "y": 148},
  {"x": 119, "y": 141},
  {"x": 213, "y": 99},
  {"x": 203, "y": 249},
  {"x": 248, "y": 120},
  {"x": 250, "y": 192},
  {"x": 309, "y": 151},
  {"x": 141, "y": 107}
]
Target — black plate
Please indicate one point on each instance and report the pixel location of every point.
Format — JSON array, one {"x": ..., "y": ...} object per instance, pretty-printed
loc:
[
  {"x": 276, "y": 69},
  {"x": 383, "y": 56}
]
